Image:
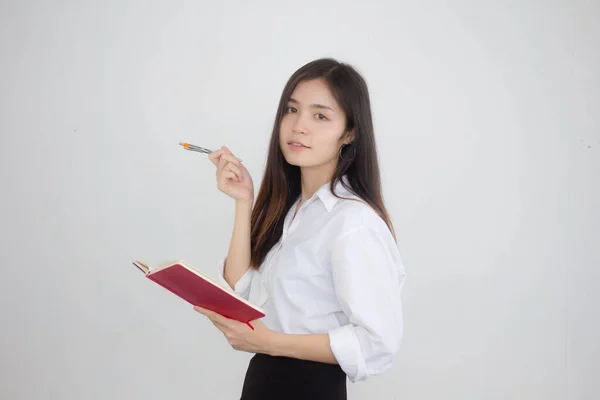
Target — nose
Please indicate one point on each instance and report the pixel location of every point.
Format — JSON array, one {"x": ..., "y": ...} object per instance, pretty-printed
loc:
[{"x": 299, "y": 126}]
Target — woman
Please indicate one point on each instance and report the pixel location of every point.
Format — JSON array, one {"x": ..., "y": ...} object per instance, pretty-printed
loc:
[{"x": 316, "y": 251}]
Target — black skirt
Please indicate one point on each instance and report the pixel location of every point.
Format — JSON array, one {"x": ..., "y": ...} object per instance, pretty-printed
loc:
[{"x": 284, "y": 378}]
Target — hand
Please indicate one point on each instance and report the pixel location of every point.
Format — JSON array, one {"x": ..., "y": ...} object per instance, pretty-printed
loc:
[
  {"x": 233, "y": 178},
  {"x": 239, "y": 335}
]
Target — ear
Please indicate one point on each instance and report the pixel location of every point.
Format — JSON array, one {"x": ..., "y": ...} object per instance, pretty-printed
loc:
[{"x": 349, "y": 137}]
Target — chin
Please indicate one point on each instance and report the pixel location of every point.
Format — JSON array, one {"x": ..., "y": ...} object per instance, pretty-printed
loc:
[
  {"x": 296, "y": 161},
  {"x": 302, "y": 161}
]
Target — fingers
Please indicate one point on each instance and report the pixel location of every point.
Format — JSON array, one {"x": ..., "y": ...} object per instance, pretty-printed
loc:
[
  {"x": 216, "y": 155},
  {"x": 231, "y": 158},
  {"x": 230, "y": 175},
  {"x": 233, "y": 168},
  {"x": 221, "y": 327},
  {"x": 224, "y": 173},
  {"x": 228, "y": 169},
  {"x": 221, "y": 163},
  {"x": 221, "y": 322},
  {"x": 213, "y": 316},
  {"x": 210, "y": 314}
]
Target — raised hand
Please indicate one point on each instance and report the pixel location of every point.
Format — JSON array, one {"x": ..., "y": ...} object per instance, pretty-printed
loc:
[{"x": 233, "y": 178}]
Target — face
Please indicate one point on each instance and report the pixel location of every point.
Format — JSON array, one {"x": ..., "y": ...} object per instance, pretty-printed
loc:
[{"x": 312, "y": 129}]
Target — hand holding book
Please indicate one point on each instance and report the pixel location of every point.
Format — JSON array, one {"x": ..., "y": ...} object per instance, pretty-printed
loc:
[
  {"x": 257, "y": 340},
  {"x": 199, "y": 290}
]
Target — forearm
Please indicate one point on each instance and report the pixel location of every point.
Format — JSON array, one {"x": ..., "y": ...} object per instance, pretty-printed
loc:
[
  {"x": 238, "y": 257},
  {"x": 305, "y": 347}
]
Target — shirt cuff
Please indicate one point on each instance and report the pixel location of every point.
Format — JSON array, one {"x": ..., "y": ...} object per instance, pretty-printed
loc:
[
  {"x": 346, "y": 349},
  {"x": 242, "y": 286}
]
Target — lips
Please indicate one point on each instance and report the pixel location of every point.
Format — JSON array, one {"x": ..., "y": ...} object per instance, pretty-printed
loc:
[{"x": 295, "y": 143}]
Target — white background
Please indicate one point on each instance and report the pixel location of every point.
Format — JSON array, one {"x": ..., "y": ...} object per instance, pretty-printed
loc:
[{"x": 487, "y": 125}]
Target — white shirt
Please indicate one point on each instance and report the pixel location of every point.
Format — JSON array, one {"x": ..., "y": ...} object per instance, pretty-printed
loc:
[{"x": 335, "y": 270}]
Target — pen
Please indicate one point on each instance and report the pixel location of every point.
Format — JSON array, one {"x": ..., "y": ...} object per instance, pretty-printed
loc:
[{"x": 199, "y": 149}]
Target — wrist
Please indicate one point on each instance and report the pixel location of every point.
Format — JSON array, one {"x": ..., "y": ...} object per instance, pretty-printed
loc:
[
  {"x": 243, "y": 208},
  {"x": 244, "y": 202},
  {"x": 277, "y": 344}
]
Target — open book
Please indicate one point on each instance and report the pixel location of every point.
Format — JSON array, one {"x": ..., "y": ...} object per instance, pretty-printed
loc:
[{"x": 199, "y": 290}]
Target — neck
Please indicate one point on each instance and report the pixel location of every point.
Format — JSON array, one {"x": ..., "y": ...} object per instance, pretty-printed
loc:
[{"x": 313, "y": 178}]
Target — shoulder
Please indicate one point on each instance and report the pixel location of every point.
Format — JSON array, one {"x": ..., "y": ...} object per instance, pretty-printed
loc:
[
  {"x": 353, "y": 214},
  {"x": 360, "y": 232}
]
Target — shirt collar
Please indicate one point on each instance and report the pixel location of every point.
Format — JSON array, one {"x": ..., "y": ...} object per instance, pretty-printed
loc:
[{"x": 327, "y": 198}]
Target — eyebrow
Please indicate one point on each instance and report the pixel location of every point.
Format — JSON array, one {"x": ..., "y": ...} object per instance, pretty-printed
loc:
[{"x": 291, "y": 100}]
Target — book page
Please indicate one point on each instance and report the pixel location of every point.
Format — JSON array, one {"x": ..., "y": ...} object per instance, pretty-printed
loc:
[{"x": 142, "y": 267}]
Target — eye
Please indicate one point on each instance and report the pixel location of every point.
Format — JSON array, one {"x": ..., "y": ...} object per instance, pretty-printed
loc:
[
  {"x": 321, "y": 117},
  {"x": 290, "y": 110}
]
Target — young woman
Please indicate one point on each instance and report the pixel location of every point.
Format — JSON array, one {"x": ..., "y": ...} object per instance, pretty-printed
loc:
[{"x": 316, "y": 250}]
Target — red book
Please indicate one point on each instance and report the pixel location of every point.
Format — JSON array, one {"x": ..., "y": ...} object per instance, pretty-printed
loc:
[{"x": 199, "y": 290}]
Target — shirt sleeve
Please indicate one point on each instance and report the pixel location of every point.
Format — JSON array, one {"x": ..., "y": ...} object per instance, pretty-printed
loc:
[
  {"x": 368, "y": 277},
  {"x": 242, "y": 286}
]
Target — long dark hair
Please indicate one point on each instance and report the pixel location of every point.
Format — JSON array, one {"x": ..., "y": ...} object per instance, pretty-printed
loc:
[{"x": 281, "y": 183}]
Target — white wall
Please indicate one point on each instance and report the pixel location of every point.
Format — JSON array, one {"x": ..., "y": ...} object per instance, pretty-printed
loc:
[{"x": 488, "y": 128}]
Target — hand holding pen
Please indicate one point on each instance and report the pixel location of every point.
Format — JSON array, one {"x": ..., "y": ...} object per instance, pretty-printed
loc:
[{"x": 233, "y": 178}]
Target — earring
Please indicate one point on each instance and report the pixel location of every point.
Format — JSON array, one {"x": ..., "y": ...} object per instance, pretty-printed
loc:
[
  {"x": 349, "y": 159},
  {"x": 340, "y": 152}
]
